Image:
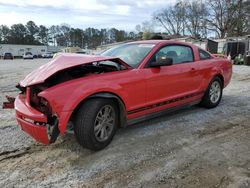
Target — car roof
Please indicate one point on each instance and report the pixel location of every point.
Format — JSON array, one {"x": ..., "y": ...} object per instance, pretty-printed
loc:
[{"x": 159, "y": 42}]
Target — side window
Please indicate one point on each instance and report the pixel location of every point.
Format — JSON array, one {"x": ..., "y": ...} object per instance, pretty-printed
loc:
[
  {"x": 179, "y": 53},
  {"x": 204, "y": 55}
]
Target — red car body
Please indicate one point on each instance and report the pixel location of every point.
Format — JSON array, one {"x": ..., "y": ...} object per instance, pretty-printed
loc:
[{"x": 141, "y": 91}]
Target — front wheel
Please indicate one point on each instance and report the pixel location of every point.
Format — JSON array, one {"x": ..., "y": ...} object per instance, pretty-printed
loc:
[
  {"x": 213, "y": 94},
  {"x": 96, "y": 123}
]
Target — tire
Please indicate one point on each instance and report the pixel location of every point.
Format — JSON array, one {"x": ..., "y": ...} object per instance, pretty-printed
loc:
[
  {"x": 213, "y": 94},
  {"x": 91, "y": 129}
]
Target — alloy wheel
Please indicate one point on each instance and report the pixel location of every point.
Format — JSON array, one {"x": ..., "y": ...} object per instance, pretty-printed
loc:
[{"x": 104, "y": 123}]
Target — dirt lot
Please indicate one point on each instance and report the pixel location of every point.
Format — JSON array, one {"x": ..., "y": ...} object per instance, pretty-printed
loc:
[{"x": 195, "y": 147}]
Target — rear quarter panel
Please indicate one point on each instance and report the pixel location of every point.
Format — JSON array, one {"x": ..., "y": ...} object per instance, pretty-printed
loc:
[{"x": 215, "y": 66}]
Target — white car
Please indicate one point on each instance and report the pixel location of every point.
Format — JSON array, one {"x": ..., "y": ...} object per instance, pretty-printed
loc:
[
  {"x": 47, "y": 55},
  {"x": 28, "y": 55}
]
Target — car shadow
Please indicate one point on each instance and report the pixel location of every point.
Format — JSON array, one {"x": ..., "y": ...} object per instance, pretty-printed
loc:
[{"x": 228, "y": 101}]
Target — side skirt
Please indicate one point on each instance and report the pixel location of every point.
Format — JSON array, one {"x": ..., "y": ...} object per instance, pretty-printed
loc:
[{"x": 161, "y": 113}]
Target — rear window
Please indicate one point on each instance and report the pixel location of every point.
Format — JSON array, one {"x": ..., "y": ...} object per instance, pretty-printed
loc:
[{"x": 204, "y": 55}]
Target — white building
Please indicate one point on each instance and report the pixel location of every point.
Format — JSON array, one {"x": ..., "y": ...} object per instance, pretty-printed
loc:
[
  {"x": 221, "y": 44},
  {"x": 19, "y": 49}
]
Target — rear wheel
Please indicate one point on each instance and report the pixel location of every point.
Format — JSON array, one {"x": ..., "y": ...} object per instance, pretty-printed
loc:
[
  {"x": 96, "y": 123},
  {"x": 213, "y": 94}
]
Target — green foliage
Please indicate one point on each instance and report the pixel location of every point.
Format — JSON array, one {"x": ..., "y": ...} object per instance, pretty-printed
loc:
[
  {"x": 62, "y": 35},
  {"x": 146, "y": 35}
]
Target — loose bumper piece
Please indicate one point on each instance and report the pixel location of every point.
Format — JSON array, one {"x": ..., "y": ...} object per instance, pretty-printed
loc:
[
  {"x": 31, "y": 121},
  {"x": 10, "y": 103}
]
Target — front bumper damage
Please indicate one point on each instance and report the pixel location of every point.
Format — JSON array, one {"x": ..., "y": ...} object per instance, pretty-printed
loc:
[
  {"x": 41, "y": 126},
  {"x": 31, "y": 120}
]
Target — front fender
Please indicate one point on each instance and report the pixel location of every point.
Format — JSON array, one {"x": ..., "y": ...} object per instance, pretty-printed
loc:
[{"x": 65, "y": 97}]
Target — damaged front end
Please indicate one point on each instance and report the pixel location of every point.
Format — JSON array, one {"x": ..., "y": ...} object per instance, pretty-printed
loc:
[
  {"x": 40, "y": 113},
  {"x": 34, "y": 115}
]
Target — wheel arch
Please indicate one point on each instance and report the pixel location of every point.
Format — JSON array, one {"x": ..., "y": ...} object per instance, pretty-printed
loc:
[
  {"x": 221, "y": 78},
  {"x": 206, "y": 101},
  {"x": 107, "y": 95}
]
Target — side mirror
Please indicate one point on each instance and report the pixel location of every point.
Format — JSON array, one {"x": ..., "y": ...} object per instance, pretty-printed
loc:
[{"x": 162, "y": 61}]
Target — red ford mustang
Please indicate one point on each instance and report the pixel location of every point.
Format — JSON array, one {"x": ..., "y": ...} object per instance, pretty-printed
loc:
[{"x": 124, "y": 85}]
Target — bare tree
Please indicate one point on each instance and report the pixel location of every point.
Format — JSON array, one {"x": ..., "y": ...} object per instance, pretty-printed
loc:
[
  {"x": 196, "y": 14},
  {"x": 221, "y": 16},
  {"x": 198, "y": 17},
  {"x": 246, "y": 7},
  {"x": 241, "y": 19},
  {"x": 172, "y": 19}
]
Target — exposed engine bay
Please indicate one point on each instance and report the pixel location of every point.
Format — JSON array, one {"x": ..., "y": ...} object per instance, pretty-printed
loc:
[
  {"x": 30, "y": 93},
  {"x": 66, "y": 75},
  {"x": 83, "y": 70}
]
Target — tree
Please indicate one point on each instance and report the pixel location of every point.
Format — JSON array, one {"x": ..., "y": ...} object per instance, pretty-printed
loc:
[
  {"x": 32, "y": 30},
  {"x": 241, "y": 20},
  {"x": 172, "y": 19},
  {"x": 195, "y": 18},
  {"x": 145, "y": 30},
  {"x": 4, "y": 33},
  {"x": 246, "y": 17},
  {"x": 131, "y": 35},
  {"x": 63, "y": 37},
  {"x": 76, "y": 37},
  {"x": 53, "y": 33},
  {"x": 138, "y": 28},
  {"x": 17, "y": 34},
  {"x": 104, "y": 36},
  {"x": 43, "y": 34},
  {"x": 222, "y": 14}
]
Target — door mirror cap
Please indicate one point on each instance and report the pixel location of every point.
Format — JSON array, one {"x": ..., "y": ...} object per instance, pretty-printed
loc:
[{"x": 162, "y": 61}]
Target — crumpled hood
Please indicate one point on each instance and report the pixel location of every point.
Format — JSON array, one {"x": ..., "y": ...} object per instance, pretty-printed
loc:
[{"x": 61, "y": 62}]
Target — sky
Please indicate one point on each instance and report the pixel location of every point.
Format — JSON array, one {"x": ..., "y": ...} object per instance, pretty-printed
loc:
[{"x": 121, "y": 14}]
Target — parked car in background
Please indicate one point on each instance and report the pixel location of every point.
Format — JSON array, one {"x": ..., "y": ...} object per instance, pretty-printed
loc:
[
  {"x": 47, "y": 55},
  {"x": 81, "y": 52},
  {"x": 8, "y": 55},
  {"x": 126, "y": 84},
  {"x": 28, "y": 55}
]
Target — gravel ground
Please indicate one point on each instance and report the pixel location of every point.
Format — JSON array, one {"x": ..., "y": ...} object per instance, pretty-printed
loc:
[{"x": 195, "y": 147}]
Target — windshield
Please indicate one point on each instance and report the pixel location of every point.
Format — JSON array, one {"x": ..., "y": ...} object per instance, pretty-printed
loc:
[{"x": 132, "y": 54}]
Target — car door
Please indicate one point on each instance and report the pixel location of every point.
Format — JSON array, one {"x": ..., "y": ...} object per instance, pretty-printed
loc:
[{"x": 172, "y": 82}]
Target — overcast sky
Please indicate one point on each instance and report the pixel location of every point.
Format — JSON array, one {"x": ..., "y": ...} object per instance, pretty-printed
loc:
[{"x": 121, "y": 14}]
